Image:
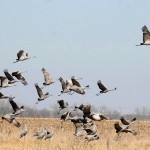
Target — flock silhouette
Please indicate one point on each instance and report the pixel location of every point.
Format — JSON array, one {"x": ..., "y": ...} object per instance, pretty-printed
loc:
[{"x": 84, "y": 126}]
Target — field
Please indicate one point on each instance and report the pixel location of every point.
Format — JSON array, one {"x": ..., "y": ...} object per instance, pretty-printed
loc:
[{"x": 64, "y": 139}]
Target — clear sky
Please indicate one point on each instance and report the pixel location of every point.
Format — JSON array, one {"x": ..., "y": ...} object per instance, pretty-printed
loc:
[{"x": 93, "y": 39}]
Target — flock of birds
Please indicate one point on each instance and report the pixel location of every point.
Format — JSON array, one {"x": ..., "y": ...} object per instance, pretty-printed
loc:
[{"x": 84, "y": 126}]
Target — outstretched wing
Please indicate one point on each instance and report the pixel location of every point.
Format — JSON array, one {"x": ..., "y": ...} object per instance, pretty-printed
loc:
[
  {"x": 20, "y": 54},
  {"x": 75, "y": 82},
  {"x": 47, "y": 77},
  {"x": 125, "y": 122},
  {"x": 63, "y": 84},
  {"x": 61, "y": 102},
  {"x": 18, "y": 75},
  {"x": 39, "y": 91},
  {"x": 146, "y": 35},
  {"x": 7, "y": 74},
  {"x": 13, "y": 104},
  {"x": 117, "y": 127},
  {"x": 101, "y": 86}
]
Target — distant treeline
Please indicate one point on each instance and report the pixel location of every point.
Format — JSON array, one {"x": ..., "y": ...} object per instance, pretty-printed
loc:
[{"x": 140, "y": 113}]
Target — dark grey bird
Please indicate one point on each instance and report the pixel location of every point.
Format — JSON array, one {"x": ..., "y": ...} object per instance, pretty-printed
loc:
[
  {"x": 22, "y": 55},
  {"x": 5, "y": 96},
  {"x": 124, "y": 128},
  {"x": 9, "y": 77},
  {"x": 17, "y": 110},
  {"x": 19, "y": 76},
  {"x": 65, "y": 86},
  {"x": 103, "y": 88},
  {"x": 24, "y": 131},
  {"x": 5, "y": 82},
  {"x": 41, "y": 95},
  {"x": 62, "y": 104},
  {"x": 146, "y": 36},
  {"x": 11, "y": 119},
  {"x": 125, "y": 122}
]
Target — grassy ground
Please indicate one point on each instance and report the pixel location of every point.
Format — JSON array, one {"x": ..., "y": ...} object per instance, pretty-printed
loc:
[{"x": 64, "y": 139}]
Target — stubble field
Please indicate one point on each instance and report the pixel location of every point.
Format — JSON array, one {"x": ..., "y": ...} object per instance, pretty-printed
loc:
[{"x": 64, "y": 139}]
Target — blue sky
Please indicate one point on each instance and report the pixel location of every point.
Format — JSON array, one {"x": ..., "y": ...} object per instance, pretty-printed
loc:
[{"x": 90, "y": 39}]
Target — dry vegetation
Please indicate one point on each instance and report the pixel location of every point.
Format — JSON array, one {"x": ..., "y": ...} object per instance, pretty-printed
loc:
[{"x": 64, "y": 139}]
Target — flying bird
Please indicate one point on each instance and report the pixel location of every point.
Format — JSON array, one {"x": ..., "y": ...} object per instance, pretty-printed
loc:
[
  {"x": 65, "y": 86},
  {"x": 17, "y": 110},
  {"x": 41, "y": 95},
  {"x": 124, "y": 128},
  {"x": 62, "y": 104},
  {"x": 5, "y": 82},
  {"x": 146, "y": 36},
  {"x": 11, "y": 119},
  {"x": 47, "y": 77},
  {"x": 22, "y": 55},
  {"x": 125, "y": 122},
  {"x": 9, "y": 77},
  {"x": 5, "y": 96},
  {"x": 103, "y": 88},
  {"x": 19, "y": 76}
]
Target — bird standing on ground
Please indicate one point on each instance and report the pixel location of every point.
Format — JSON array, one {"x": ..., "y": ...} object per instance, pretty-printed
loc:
[{"x": 25, "y": 131}]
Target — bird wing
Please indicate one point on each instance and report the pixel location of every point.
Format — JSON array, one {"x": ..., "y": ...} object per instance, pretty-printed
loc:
[
  {"x": 18, "y": 75},
  {"x": 61, "y": 102},
  {"x": 146, "y": 37},
  {"x": 125, "y": 122},
  {"x": 145, "y": 29},
  {"x": 1, "y": 94},
  {"x": 75, "y": 82},
  {"x": 101, "y": 86},
  {"x": 4, "y": 80},
  {"x": 13, "y": 104},
  {"x": 63, "y": 84},
  {"x": 39, "y": 91},
  {"x": 16, "y": 123},
  {"x": 20, "y": 54},
  {"x": 117, "y": 127},
  {"x": 7, "y": 74},
  {"x": 47, "y": 77}
]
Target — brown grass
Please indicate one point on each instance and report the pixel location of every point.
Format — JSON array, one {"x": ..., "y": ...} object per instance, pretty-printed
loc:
[{"x": 64, "y": 139}]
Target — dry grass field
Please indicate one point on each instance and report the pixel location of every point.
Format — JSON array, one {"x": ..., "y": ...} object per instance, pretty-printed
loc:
[{"x": 64, "y": 139}]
